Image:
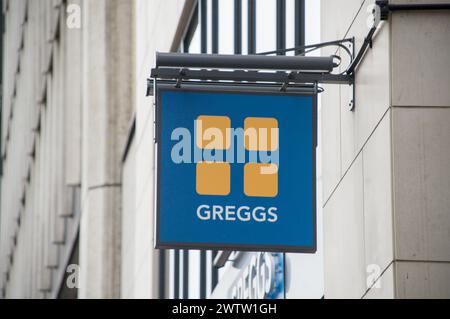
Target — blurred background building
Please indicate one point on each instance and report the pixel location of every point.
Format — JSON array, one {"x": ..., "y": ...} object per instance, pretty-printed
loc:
[{"x": 76, "y": 216}]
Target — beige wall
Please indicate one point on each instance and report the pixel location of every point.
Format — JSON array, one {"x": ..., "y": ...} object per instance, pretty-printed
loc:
[
  {"x": 67, "y": 107},
  {"x": 421, "y": 156},
  {"x": 356, "y": 161},
  {"x": 40, "y": 183},
  {"x": 156, "y": 27},
  {"x": 386, "y": 183},
  {"x": 85, "y": 101},
  {"x": 108, "y": 69}
]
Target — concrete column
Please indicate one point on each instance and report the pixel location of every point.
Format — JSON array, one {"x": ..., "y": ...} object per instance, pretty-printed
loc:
[
  {"x": 386, "y": 166},
  {"x": 421, "y": 156},
  {"x": 107, "y": 109}
]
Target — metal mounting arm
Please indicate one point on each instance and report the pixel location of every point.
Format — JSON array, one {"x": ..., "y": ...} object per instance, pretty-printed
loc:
[
  {"x": 285, "y": 71},
  {"x": 245, "y": 62}
]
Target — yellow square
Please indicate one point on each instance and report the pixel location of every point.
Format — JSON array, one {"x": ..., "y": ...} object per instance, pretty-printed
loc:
[
  {"x": 261, "y": 180},
  {"x": 213, "y": 132},
  {"x": 261, "y": 133},
  {"x": 213, "y": 178}
]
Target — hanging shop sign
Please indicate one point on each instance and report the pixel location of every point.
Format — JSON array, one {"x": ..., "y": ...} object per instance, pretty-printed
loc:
[{"x": 235, "y": 170}]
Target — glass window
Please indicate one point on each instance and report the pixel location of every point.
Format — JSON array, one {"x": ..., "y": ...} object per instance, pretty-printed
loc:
[
  {"x": 194, "y": 274},
  {"x": 312, "y": 23},
  {"x": 171, "y": 268},
  {"x": 209, "y": 25},
  {"x": 266, "y": 29},
  {"x": 226, "y": 27},
  {"x": 194, "y": 45},
  {"x": 244, "y": 27},
  {"x": 192, "y": 40},
  {"x": 290, "y": 25}
]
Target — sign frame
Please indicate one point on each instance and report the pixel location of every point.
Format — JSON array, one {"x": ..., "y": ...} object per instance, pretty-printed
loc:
[{"x": 271, "y": 90}]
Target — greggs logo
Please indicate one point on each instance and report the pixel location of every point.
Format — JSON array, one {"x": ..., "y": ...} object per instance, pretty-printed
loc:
[
  {"x": 218, "y": 146},
  {"x": 214, "y": 178}
]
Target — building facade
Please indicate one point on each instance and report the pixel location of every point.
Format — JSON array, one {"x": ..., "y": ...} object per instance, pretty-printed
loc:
[
  {"x": 77, "y": 143},
  {"x": 385, "y": 167},
  {"x": 65, "y": 122}
]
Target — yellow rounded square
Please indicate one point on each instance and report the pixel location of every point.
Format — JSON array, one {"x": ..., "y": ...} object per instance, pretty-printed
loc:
[
  {"x": 261, "y": 133},
  {"x": 213, "y": 178},
  {"x": 213, "y": 132},
  {"x": 261, "y": 180}
]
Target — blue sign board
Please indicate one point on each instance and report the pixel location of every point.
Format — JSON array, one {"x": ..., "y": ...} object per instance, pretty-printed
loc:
[{"x": 236, "y": 170}]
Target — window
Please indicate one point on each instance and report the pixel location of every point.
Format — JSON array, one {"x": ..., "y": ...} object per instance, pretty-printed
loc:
[
  {"x": 267, "y": 25},
  {"x": 191, "y": 41},
  {"x": 227, "y": 27}
]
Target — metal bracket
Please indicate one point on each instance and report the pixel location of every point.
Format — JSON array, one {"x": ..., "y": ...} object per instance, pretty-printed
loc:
[
  {"x": 292, "y": 73},
  {"x": 352, "y": 98},
  {"x": 180, "y": 78},
  {"x": 150, "y": 87},
  {"x": 239, "y": 76},
  {"x": 286, "y": 83}
]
